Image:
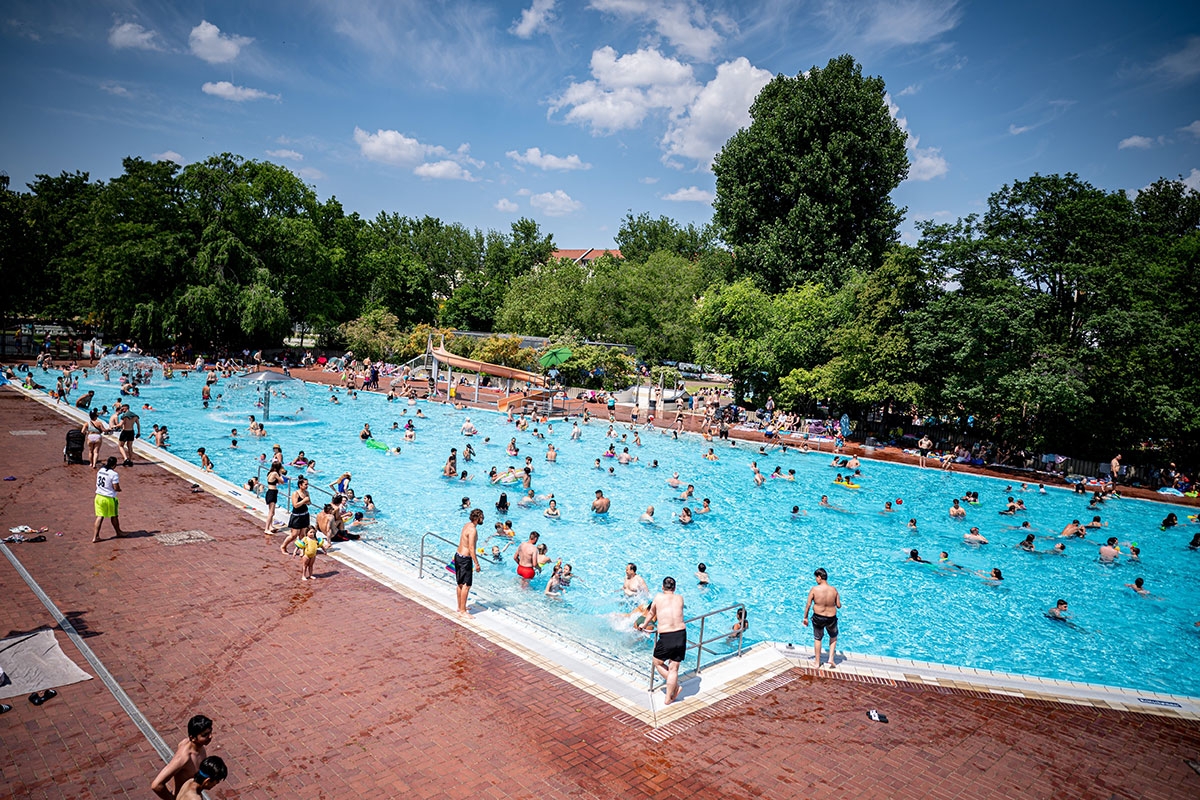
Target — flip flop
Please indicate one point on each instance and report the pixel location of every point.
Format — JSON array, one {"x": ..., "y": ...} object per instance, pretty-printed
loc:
[
  {"x": 36, "y": 699},
  {"x": 875, "y": 716},
  {"x": 49, "y": 694},
  {"x": 5, "y": 708}
]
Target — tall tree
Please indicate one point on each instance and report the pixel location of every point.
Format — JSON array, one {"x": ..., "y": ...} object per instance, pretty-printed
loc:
[
  {"x": 804, "y": 192},
  {"x": 640, "y": 237}
]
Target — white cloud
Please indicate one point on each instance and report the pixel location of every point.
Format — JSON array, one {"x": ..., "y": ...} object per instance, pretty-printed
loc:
[
  {"x": 926, "y": 163},
  {"x": 535, "y": 19},
  {"x": 1017, "y": 130},
  {"x": 112, "y": 87},
  {"x": 534, "y": 157},
  {"x": 555, "y": 204},
  {"x": 393, "y": 147},
  {"x": 626, "y": 89},
  {"x": 291, "y": 155},
  {"x": 648, "y": 180},
  {"x": 310, "y": 173},
  {"x": 683, "y": 23},
  {"x": 443, "y": 170},
  {"x": 506, "y": 205},
  {"x": 169, "y": 155},
  {"x": 891, "y": 23},
  {"x": 1193, "y": 129},
  {"x": 912, "y": 88},
  {"x": 238, "y": 94},
  {"x": 1138, "y": 142},
  {"x": 1192, "y": 181},
  {"x": 131, "y": 35},
  {"x": 717, "y": 111},
  {"x": 692, "y": 194},
  {"x": 523, "y": 193},
  {"x": 1182, "y": 65},
  {"x": 207, "y": 42}
]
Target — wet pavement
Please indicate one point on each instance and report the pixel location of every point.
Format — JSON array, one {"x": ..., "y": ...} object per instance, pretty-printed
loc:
[{"x": 340, "y": 687}]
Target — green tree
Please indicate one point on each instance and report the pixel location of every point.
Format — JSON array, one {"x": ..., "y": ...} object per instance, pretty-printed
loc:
[
  {"x": 642, "y": 236},
  {"x": 375, "y": 334},
  {"x": 544, "y": 301},
  {"x": 804, "y": 192}
]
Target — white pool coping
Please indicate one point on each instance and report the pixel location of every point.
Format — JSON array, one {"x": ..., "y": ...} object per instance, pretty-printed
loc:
[{"x": 719, "y": 682}]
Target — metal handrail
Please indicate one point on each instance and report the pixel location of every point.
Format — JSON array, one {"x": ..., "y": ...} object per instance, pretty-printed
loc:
[
  {"x": 699, "y": 645},
  {"x": 421, "y": 554}
]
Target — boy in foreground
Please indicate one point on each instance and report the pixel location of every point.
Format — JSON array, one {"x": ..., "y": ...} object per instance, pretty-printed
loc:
[
  {"x": 212, "y": 771},
  {"x": 188, "y": 757}
]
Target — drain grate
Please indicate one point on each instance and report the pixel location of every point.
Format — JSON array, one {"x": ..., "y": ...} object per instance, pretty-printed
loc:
[
  {"x": 28, "y": 433},
  {"x": 183, "y": 537}
]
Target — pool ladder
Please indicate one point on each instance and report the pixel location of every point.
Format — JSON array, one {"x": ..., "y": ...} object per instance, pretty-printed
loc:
[{"x": 699, "y": 645}]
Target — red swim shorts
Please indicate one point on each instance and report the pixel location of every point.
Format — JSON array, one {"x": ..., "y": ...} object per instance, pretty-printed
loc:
[{"x": 526, "y": 572}]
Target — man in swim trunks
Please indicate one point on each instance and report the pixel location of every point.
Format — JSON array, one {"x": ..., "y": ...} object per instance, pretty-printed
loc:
[
  {"x": 671, "y": 646},
  {"x": 131, "y": 428},
  {"x": 465, "y": 557},
  {"x": 824, "y": 601},
  {"x": 526, "y": 557},
  {"x": 601, "y": 503},
  {"x": 923, "y": 448}
]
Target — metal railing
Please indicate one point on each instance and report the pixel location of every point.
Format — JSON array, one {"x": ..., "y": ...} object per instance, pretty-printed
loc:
[
  {"x": 421, "y": 556},
  {"x": 699, "y": 645}
]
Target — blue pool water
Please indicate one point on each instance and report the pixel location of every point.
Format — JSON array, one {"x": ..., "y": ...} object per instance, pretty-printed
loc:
[{"x": 756, "y": 552}]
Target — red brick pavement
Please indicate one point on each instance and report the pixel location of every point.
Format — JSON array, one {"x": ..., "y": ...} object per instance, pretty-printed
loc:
[{"x": 340, "y": 688}]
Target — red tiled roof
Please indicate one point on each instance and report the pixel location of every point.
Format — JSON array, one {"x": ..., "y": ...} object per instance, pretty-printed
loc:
[{"x": 584, "y": 256}]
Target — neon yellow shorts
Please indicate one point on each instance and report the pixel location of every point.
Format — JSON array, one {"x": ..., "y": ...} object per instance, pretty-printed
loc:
[{"x": 106, "y": 506}]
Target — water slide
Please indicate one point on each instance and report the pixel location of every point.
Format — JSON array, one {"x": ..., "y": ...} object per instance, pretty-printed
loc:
[{"x": 496, "y": 370}]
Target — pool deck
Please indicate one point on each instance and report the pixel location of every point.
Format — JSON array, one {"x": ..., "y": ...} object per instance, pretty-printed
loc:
[{"x": 349, "y": 687}]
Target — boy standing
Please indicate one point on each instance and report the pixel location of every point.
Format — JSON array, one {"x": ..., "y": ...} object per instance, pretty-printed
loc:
[{"x": 187, "y": 759}]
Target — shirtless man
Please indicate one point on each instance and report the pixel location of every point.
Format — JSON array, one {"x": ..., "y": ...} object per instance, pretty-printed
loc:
[
  {"x": 186, "y": 761},
  {"x": 451, "y": 468},
  {"x": 211, "y": 772},
  {"x": 634, "y": 584},
  {"x": 131, "y": 428},
  {"x": 526, "y": 557},
  {"x": 923, "y": 448},
  {"x": 671, "y": 646},
  {"x": 1110, "y": 550},
  {"x": 957, "y": 511},
  {"x": 601, "y": 503},
  {"x": 1074, "y": 529},
  {"x": 648, "y": 516},
  {"x": 465, "y": 557},
  {"x": 973, "y": 536},
  {"x": 824, "y": 601}
]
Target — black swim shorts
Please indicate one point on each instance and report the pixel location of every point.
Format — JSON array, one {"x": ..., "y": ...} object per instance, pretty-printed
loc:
[
  {"x": 126, "y": 436},
  {"x": 671, "y": 646},
  {"x": 464, "y": 573},
  {"x": 272, "y": 496},
  {"x": 821, "y": 624}
]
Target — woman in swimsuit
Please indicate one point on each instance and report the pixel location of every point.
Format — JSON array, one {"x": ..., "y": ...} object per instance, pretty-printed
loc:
[
  {"x": 93, "y": 428},
  {"x": 299, "y": 521},
  {"x": 274, "y": 478}
]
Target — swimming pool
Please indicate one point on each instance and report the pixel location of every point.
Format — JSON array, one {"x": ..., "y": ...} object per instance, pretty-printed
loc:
[{"x": 756, "y": 552}]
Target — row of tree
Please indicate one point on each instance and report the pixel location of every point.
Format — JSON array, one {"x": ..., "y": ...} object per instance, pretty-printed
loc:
[{"x": 1064, "y": 318}]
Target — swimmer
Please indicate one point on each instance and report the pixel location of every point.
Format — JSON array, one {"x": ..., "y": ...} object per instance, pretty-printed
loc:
[
  {"x": 973, "y": 536},
  {"x": 1027, "y": 545},
  {"x": 551, "y": 453},
  {"x": 994, "y": 577},
  {"x": 912, "y": 524},
  {"x": 685, "y": 516},
  {"x": 502, "y": 503},
  {"x": 1139, "y": 586},
  {"x": 648, "y": 516},
  {"x": 944, "y": 561},
  {"x": 957, "y": 511},
  {"x": 1074, "y": 529},
  {"x": 1059, "y": 612},
  {"x": 740, "y": 625},
  {"x": 915, "y": 557},
  {"x": 527, "y": 499},
  {"x": 702, "y": 574},
  {"x": 673, "y": 481},
  {"x": 1110, "y": 550},
  {"x": 887, "y": 508},
  {"x": 687, "y": 493},
  {"x": 552, "y": 511},
  {"x": 705, "y": 507},
  {"x": 797, "y": 513}
]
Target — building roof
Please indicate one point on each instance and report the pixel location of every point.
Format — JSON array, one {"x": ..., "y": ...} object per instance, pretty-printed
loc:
[{"x": 585, "y": 256}]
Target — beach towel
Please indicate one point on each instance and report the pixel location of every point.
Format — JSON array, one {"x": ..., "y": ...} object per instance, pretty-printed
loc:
[{"x": 33, "y": 662}]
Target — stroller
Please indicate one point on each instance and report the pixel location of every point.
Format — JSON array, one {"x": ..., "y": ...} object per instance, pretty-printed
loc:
[{"x": 73, "y": 452}]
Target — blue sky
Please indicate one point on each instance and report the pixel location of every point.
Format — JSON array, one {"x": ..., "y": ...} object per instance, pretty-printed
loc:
[{"x": 574, "y": 113}]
